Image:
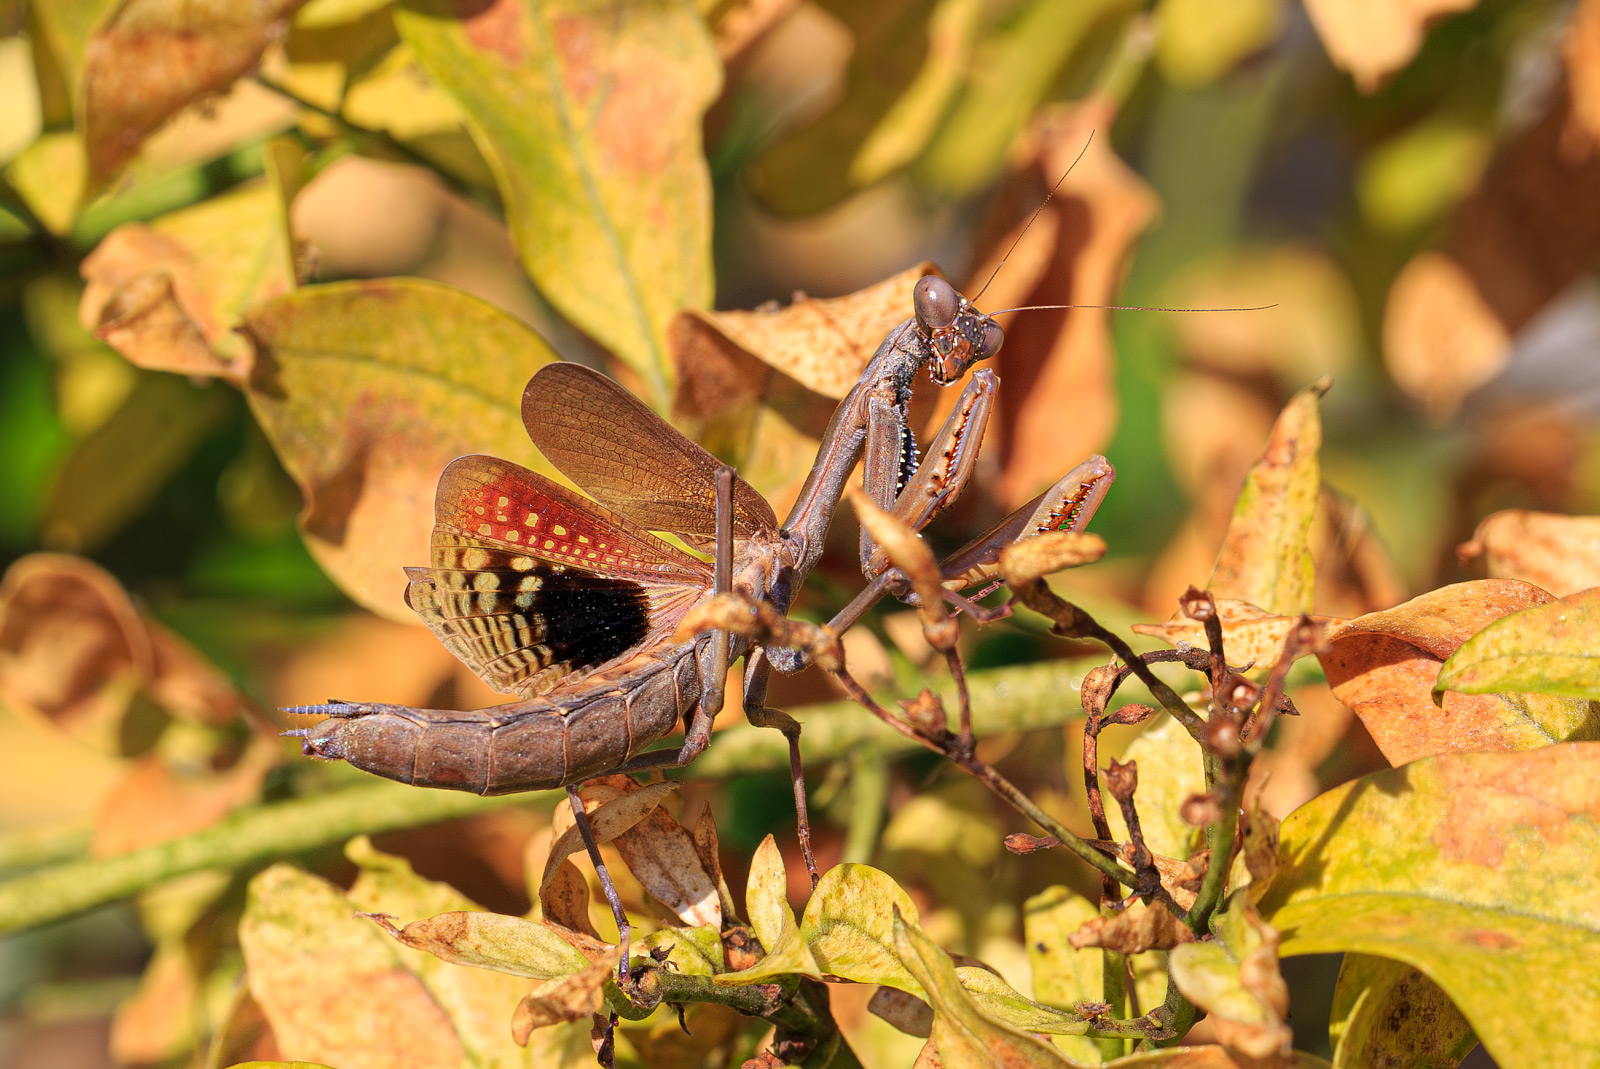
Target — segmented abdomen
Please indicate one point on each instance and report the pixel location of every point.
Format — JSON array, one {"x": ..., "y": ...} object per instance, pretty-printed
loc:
[{"x": 524, "y": 746}]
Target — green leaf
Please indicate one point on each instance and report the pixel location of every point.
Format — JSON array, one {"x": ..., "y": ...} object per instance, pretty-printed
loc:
[
  {"x": 590, "y": 118},
  {"x": 849, "y": 927},
  {"x": 1387, "y": 1013},
  {"x": 48, "y": 175},
  {"x": 963, "y": 1035},
  {"x": 766, "y": 900},
  {"x": 691, "y": 951},
  {"x": 1548, "y": 649},
  {"x": 1266, "y": 554},
  {"x": 999, "y": 1001},
  {"x": 1235, "y": 979},
  {"x": 367, "y": 390},
  {"x": 1477, "y": 869},
  {"x": 110, "y": 476}
]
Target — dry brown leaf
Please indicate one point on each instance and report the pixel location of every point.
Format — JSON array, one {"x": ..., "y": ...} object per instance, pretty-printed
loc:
[
  {"x": 610, "y": 817},
  {"x": 74, "y": 651},
  {"x": 1529, "y": 230},
  {"x": 1581, "y": 53},
  {"x": 1265, "y": 557},
  {"x": 72, "y": 646},
  {"x": 1384, "y": 665},
  {"x": 564, "y": 900},
  {"x": 1374, "y": 38},
  {"x": 821, "y": 344},
  {"x": 1250, "y": 635},
  {"x": 569, "y": 998},
  {"x": 1058, "y": 399},
  {"x": 662, "y": 857},
  {"x": 707, "y": 847},
  {"x": 1441, "y": 339},
  {"x": 1559, "y": 553},
  {"x": 905, "y": 1011},
  {"x": 1133, "y": 931},
  {"x": 155, "y": 57}
]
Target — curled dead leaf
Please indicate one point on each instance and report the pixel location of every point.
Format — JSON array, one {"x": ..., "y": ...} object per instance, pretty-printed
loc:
[
  {"x": 74, "y": 650},
  {"x": 611, "y": 817},
  {"x": 1133, "y": 930},
  {"x": 1046, "y": 554},
  {"x": 564, "y": 900},
  {"x": 1056, "y": 362},
  {"x": 567, "y": 998}
]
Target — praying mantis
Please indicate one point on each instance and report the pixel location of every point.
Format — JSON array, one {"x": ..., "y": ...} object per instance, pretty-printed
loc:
[{"x": 575, "y": 606}]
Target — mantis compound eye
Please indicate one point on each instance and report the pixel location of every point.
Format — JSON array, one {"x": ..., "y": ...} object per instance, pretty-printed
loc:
[
  {"x": 993, "y": 337},
  {"x": 936, "y": 303}
]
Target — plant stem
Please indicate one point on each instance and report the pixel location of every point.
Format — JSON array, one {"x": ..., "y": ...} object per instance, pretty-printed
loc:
[
  {"x": 1016, "y": 698},
  {"x": 246, "y": 837}
]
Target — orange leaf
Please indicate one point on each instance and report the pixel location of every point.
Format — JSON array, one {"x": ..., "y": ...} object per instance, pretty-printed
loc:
[{"x": 1384, "y": 664}]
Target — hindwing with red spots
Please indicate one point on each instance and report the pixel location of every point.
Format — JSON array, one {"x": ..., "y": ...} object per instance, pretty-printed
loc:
[{"x": 531, "y": 582}]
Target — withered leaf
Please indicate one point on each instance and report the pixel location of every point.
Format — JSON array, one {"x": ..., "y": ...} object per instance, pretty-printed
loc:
[
  {"x": 1441, "y": 340},
  {"x": 1266, "y": 555},
  {"x": 564, "y": 900},
  {"x": 154, "y": 57},
  {"x": 607, "y": 821},
  {"x": 157, "y": 802},
  {"x": 1250, "y": 635},
  {"x": 662, "y": 857}
]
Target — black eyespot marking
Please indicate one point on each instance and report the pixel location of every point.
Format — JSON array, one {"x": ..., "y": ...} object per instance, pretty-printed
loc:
[{"x": 592, "y": 620}]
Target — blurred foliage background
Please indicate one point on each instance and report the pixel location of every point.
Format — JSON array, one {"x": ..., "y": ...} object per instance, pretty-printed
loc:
[{"x": 1412, "y": 188}]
